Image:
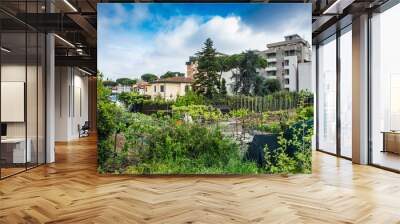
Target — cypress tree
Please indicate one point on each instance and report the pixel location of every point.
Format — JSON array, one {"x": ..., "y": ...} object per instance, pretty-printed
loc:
[{"x": 206, "y": 80}]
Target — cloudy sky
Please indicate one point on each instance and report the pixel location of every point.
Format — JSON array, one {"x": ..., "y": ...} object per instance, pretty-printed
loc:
[{"x": 134, "y": 39}]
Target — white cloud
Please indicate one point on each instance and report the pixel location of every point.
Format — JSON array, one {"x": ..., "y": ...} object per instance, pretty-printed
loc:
[{"x": 129, "y": 54}]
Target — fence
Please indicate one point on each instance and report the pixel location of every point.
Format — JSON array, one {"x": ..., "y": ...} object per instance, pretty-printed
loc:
[{"x": 274, "y": 102}]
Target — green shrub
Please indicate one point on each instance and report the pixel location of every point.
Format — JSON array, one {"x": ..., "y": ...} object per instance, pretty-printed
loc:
[
  {"x": 190, "y": 98},
  {"x": 199, "y": 112},
  {"x": 294, "y": 152},
  {"x": 165, "y": 145}
]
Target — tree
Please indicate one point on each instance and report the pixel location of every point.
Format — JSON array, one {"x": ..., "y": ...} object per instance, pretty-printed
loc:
[
  {"x": 246, "y": 73},
  {"x": 259, "y": 86},
  {"x": 170, "y": 74},
  {"x": 223, "y": 91},
  {"x": 271, "y": 86},
  {"x": 126, "y": 81},
  {"x": 148, "y": 77},
  {"x": 109, "y": 83},
  {"x": 264, "y": 86},
  {"x": 206, "y": 80}
]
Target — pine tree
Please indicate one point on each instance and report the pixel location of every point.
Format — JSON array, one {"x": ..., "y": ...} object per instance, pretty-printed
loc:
[{"x": 206, "y": 80}]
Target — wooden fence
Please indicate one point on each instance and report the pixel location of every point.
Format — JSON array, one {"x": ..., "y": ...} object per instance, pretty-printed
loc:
[{"x": 273, "y": 102}]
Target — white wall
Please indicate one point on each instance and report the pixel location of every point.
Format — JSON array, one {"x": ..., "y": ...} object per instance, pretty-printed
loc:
[
  {"x": 292, "y": 73},
  {"x": 71, "y": 103},
  {"x": 33, "y": 126},
  {"x": 305, "y": 76},
  {"x": 229, "y": 82}
]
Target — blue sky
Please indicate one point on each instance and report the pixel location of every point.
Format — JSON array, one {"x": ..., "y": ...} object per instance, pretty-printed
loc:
[{"x": 157, "y": 37}]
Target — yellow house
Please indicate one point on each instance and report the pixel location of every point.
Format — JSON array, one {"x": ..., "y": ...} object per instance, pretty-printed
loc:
[{"x": 169, "y": 88}]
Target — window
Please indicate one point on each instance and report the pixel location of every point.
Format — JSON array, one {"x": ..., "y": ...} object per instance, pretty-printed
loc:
[
  {"x": 286, "y": 71},
  {"x": 23, "y": 89},
  {"x": 385, "y": 89},
  {"x": 327, "y": 95},
  {"x": 187, "y": 88},
  {"x": 286, "y": 62},
  {"x": 346, "y": 93},
  {"x": 155, "y": 89},
  {"x": 290, "y": 52},
  {"x": 287, "y": 81},
  {"x": 271, "y": 55},
  {"x": 162, "y": 88}
]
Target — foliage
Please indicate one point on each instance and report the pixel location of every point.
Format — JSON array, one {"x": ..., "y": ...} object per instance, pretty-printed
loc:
[
  {"x": 126, "y": 81},
  {"x": 272, "y": 86},
  {"x": 170, "y": 74},
  {"x": 206, "y": 80},
  {"x": 264, "y": 86},
  {"x": 190, "y": 98},
  {"x": 199, "y": 112},
  {"x": 272, "y": 127},
  {"x": 165, "y": 146},
  {"x": 107, "y": 124},
  {"x": 167, "y": 142},
  {"x": 109, "y": 83},
  {"x": 223, "y": 90},
  {"x": 148, "y": 77},
  {"x": 246, "y": 75},
  {"x": 294, "y": 152},
  {"x": 158, "y": 101},
  {"x": 129, "y": 98},
  {"x": 133, "y": 98}
]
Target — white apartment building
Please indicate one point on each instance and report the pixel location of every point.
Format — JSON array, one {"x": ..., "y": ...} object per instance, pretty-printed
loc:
[{"x": 283, "y": 59}]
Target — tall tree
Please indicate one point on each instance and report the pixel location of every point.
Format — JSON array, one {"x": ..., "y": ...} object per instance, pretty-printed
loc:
[
  {"x": 225, "y": 64},
  {"x": 245, "y": 76},
  {"x": 148, "y": 77},
  {"x": 206, "y": 80},
  {"x": 170, "y": 74}
]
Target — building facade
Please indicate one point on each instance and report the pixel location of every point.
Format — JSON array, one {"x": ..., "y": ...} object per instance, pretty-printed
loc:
[
  {"x": 283, "y": 63},
  {"x": 283, "y": 60},
  {"x": 141, "y": 87},
  {"x": 169, "y": 88}
]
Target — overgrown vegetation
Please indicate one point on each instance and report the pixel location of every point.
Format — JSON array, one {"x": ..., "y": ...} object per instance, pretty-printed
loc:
[
  {"x": 257, "y": 129},
  {"x": 191, "y": 139}
]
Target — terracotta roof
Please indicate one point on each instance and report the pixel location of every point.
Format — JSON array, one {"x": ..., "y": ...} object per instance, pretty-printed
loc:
[
  {"x": 141, "y": 84},
  {"x": 175, "y": 80}
]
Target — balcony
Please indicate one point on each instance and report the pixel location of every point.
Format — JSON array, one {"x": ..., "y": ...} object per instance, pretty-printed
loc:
[{"x": 270, "y": 69}]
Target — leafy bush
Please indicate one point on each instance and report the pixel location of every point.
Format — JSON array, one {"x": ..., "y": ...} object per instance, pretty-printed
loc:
[
  {"x": 168, "y": 146},
  {"x": 199, "y": 112},
  {"x": 134, "y": 143},
  {"x": 129, "y": 98},
  {"x": 294, "y": 152},
  {"x": 190, "y": 98}
]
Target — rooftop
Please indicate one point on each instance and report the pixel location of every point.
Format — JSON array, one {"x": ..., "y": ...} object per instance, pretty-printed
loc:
[{"x": 290, "y": 39}]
